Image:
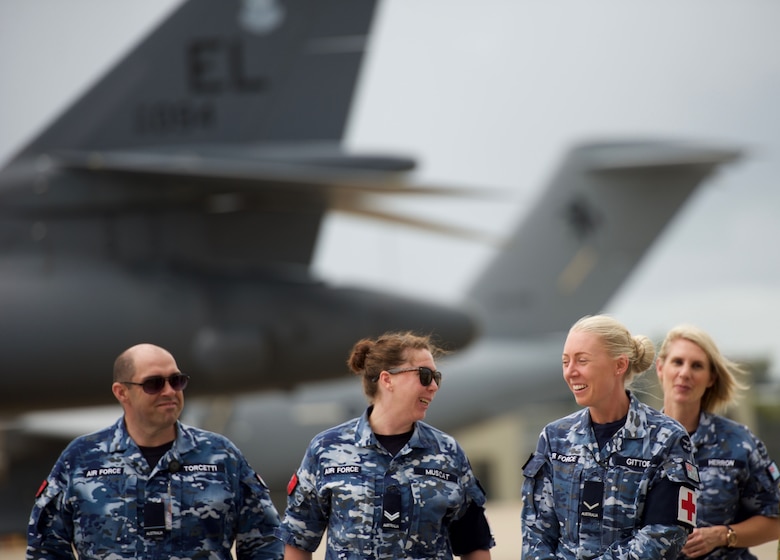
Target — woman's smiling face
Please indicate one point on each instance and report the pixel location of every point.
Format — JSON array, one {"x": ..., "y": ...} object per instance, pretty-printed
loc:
[{"x": 593, "y": 376}]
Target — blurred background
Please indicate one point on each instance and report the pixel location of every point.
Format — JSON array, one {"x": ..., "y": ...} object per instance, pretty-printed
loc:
[{"x": 491, "y": 95}]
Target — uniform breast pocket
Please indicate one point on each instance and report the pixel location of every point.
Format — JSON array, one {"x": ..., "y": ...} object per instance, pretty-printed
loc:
[
  {"x": 433, "y": 501},
  {"x": 352, "y": 500},
  {"x": 719, "y": 495},
  {"x": 567, "y": 484},
  {"x": 435, "y": 496},
  {"x": 206, "y": 502},
  {"x": 104, "y": 514},
  {"x": 622, "y": 492}
]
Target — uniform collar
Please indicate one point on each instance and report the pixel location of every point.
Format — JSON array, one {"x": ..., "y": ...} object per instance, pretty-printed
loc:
[
  {"x": 365, "y": 437},
  {"x": 121, "y": 442},
  {"x": 634, "y": 428},
  {"x": 706, "y": 431}
]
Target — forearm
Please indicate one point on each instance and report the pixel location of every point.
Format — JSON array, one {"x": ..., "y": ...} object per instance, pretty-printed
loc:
[
  {"x": 477, "y": 555},
  {"x": 756, "y": 530},
  {"x": 292, "y": 553}
]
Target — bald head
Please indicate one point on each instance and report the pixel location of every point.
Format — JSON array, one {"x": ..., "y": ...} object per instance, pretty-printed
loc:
[{"x": 126, "y": 363}]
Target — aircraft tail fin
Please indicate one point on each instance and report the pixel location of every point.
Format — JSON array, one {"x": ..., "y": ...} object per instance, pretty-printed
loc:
[
  {"x": 587, "y": 232},
  {"x": 227, "y": 71}
]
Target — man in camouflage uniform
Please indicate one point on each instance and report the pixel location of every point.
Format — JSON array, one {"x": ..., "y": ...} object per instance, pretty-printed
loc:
[
  {"x": 634, "y": 498},
  {"x": 149, "y": 486}
]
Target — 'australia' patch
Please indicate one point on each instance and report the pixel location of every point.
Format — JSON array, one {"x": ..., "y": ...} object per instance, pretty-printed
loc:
[
  {"x": 391, "y": 509},
  {"x": 592, "y": 496}
]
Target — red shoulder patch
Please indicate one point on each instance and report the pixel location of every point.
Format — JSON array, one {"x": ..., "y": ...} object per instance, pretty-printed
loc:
[
  {"x": 43, "y": 486},
  {"x": 292, "y": 484}
]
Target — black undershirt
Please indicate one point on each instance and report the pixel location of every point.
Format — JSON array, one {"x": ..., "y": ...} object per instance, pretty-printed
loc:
[
  {"x": 153, "y": 454},
  {"x": 604, "y": 432},
  {"x": 394, "y": 443}
]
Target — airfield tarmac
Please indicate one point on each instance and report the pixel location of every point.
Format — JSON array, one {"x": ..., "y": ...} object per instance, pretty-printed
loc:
[{"x": 504, "y": 518}]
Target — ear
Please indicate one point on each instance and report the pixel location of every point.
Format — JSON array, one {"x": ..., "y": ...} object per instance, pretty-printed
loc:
[
  {"x": 659, "y": 365},
  {"x": 385, "y": 380},
  {"x": 120, "y": 391},
  {"x": 622, "y": 364}
]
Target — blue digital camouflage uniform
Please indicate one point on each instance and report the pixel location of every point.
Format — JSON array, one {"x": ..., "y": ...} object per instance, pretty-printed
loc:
[
  {"x": 346, "y": 477},
  {"x": 738, "y": 479},
  {"x": 104, "y": 498},
  {"x": 581, "y": 502}
]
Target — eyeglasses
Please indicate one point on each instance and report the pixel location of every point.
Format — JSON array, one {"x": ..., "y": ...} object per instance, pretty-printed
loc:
[
  {"x": 153, "y": 385},
  {"x": 426, "y": 374}
]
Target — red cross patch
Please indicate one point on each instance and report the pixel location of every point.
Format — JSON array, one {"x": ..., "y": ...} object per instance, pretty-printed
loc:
[{"x": 686, "y": 506}]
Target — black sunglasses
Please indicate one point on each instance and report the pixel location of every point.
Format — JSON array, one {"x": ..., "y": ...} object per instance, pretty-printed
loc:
[
  {"x": 426, "y": 374},
  {"x": 153, "y": 385}
]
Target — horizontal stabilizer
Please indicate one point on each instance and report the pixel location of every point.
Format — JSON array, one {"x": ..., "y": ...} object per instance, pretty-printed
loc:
[
  {"x": 578, "y": 244},
  {"x": 644, "y": 155},
  {"x": 242, "y": 164}
]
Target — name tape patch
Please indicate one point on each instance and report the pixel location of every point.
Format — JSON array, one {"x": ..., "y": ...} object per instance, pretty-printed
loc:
[
  {"x": 203, "y": 467},
  {"x": 437, "y": 473},
  {"x": 635, "y": 463},
  {"x": 723, "y": 463}
]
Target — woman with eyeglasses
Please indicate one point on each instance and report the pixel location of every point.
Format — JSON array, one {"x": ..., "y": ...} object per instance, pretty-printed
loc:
[
  {"x": 739, "y": 500},
  {"x": 615, "y": 479},
  {"x": 386, "y": 484},
  {"x": 150, "y": 486}
]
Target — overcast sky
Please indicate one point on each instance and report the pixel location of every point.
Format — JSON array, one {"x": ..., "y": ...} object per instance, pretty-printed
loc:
[{"x": 492, "y": 94}]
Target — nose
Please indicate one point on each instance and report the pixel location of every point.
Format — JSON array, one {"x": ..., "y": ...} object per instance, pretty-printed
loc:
[
  {"x": 167, "y": 389},
  {"x": 684, "y": 371}
]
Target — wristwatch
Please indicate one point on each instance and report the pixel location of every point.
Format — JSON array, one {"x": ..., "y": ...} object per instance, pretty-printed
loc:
[{"x": 731, "y": 537}]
